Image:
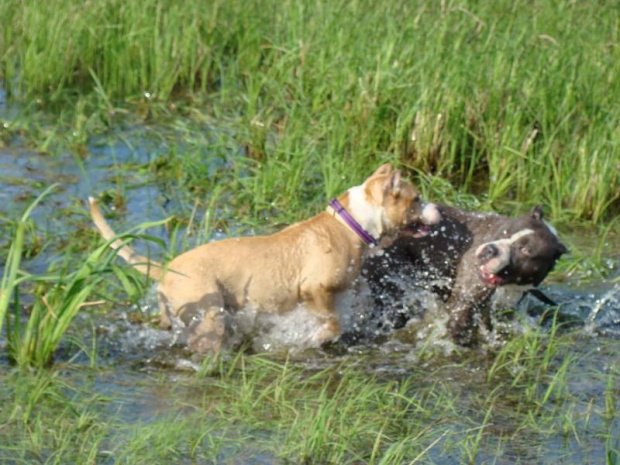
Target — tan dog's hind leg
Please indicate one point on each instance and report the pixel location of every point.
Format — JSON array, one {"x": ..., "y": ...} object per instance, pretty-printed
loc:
[
  {"x": 321, "y": 303},
  {"x": 203, "y": 317},
  {"x": 207, "y": 335}
]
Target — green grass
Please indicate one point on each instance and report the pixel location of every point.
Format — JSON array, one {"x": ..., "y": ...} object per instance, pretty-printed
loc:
[
  {"x": 508, "y": 100},
  {"x": 527, "y": 402},
  {"x": 34, "y": 333},
  {"x": 10, "y": 276}
]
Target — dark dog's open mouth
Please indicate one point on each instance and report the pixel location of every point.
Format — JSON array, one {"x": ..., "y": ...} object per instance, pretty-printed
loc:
[
  {"x": 417, "y": 230},
  {"x": 490, "y": 279}
]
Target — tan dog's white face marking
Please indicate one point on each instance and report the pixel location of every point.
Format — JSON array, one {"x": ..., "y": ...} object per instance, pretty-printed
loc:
[{"x": 310, "y": 262}]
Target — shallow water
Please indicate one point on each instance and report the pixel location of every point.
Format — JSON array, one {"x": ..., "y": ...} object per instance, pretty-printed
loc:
[{"x": 129, "y": 351}]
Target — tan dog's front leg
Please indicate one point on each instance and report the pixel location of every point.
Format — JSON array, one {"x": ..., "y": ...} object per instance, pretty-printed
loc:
[{"x": 321, "y": 303}]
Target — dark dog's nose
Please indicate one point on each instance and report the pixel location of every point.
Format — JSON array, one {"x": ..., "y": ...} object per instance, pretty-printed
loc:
[{"x": 489, "y": 251}]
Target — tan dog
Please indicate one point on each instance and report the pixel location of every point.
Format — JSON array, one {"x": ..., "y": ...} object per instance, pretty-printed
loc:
[{"x": 308, "y": 262}]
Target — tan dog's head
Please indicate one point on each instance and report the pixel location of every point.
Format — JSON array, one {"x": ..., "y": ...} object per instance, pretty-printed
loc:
[{"x": 400, "y": 203}]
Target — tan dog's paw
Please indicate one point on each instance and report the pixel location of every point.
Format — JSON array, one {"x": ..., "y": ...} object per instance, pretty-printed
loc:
[{"x": 330, "y": 329}]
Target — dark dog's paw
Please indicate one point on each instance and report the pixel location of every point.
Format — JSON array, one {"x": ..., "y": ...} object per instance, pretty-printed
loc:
[
  {"x": 341, "y": 345},
  {"x": 464, "y": 335}
]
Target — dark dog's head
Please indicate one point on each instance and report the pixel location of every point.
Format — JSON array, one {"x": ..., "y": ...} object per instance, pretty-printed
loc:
[{"x": 523, "y": 251}]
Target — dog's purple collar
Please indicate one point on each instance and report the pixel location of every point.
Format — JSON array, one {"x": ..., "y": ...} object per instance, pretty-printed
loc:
[{"x": 354, "y": 225}]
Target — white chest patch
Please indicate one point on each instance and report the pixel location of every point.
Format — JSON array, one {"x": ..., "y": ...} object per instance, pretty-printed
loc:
[
  {"x": 551, "y": 229},
  {"x": 507, "y": 297}
]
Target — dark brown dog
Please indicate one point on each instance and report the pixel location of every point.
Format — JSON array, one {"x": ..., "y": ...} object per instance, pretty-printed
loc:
[{"x": 465, "y": 260}]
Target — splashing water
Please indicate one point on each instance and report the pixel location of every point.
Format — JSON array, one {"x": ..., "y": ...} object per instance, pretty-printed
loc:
[{"x": 604, "y": 316}]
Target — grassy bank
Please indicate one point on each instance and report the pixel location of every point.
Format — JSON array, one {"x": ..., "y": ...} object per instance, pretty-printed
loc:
[
  {"x": 512, "y": 101},
  {"x": 524, "y": 405}
]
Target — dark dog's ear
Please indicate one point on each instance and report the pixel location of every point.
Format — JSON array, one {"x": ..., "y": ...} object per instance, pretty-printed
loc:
[
  {"x": 562, "y": 249},
  {"x": 537, "y": 213},
  {"x": 383, "y": 170}
]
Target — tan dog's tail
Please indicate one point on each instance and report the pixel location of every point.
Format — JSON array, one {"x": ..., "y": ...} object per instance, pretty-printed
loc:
[{"x": 139, "y": 262}]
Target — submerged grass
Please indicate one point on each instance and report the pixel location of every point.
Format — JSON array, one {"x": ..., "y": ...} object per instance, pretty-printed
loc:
[
  {"x": 509, "y": 100},
  {"x": 33, "y": 342}
]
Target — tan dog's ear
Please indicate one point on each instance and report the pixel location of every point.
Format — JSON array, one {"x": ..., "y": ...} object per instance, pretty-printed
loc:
[
  {"x": 383, "y": 170},
  {"x": 392, "y": 184}
]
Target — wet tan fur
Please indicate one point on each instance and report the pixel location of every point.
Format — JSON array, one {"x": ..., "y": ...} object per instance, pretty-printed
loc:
[{"x": 308, "y": 262}]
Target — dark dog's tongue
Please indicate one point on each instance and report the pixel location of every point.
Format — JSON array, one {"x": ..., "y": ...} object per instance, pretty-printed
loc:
[
  {"x": 490, "y": 278},
  {"x": 493, "y": 279}
]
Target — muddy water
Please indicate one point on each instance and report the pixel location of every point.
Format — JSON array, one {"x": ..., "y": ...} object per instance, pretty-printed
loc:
[{"x": 136, "y": 351}]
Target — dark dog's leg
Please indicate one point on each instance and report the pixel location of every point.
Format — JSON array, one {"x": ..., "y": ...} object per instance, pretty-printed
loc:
[
  {"x": 465, "y": 308},
  {"x": 540, "y": 295},
  {"x": 465, "y": 317},
  {"x": 461, "y": 323}
]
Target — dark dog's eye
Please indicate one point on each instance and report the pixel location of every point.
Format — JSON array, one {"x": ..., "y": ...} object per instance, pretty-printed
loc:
[{"x": 526, "y": 251}]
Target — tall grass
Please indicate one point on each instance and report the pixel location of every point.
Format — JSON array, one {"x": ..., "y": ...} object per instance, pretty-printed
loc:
[
  {"x": 511, "y": 100},
  {"x": 33, "y": 336},
  {"x": 33, "y": 342},
  {"x": 11, "y": 274}
]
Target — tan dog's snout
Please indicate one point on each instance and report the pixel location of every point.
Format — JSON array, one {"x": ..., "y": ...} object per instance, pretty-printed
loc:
[
  {"x": 430, "y": 214},
  {"x": 423, "y": 217}
]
